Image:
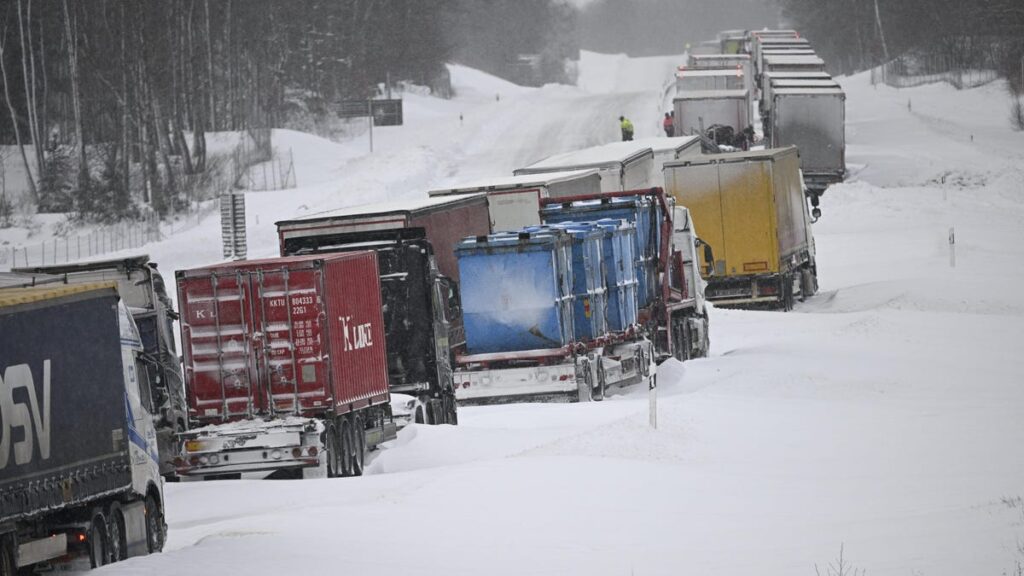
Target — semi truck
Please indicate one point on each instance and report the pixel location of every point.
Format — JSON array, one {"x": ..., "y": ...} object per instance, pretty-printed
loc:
[
  {"x": 513, "y": 202},
  {"x": 812, "y": 118},
  {"x": 286, "y": 367},
  {"x": 144, "y": 292},
  {"x": 422, "y": 313},
  {"x": 80, "y": 483},
  {"x": 622, "y": 165},
  {"x": 697, "y": 79},
  {"x": 542, "y": 326},
  {"x": 751, "y": 208},
  {"x": 727, "y": 61}
]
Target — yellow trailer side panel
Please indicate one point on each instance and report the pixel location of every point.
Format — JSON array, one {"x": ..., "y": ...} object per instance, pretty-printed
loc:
[
  {"x": 748, "y": 214},
  {"x": 697, "y": 188}
]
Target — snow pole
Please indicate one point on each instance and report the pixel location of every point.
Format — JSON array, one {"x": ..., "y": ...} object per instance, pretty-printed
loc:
[
  {"x": 952, "y": 247},
  {"x": 652, "y": 385}
]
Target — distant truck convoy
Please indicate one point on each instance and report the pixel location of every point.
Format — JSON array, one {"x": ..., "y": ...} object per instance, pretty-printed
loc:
[
  {"x": 751, "y": 208},
  {"x": 143, "y": 291},
  {"x": 513, "y": 202},
  {"x": 79, "y": 477},
  {"x": 286, "y": 366},
  {"x": 622, "y": 165},
  {"x": 422, "y": 312}
]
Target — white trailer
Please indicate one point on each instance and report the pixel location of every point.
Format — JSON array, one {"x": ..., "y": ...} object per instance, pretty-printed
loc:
[
  {"x": 622, "y": 165},
  {"x": 705, "y": 108},
  {"x": 693, "y": 79},
  {"x": 730, "y": 62},
  {"x": 514, "y": 202},
  {"x": 813, "y": 120},
  {"x": 668, "y": 150},
  {"x": 772, "y": 83},
  {"x": 786, "y": 63}
]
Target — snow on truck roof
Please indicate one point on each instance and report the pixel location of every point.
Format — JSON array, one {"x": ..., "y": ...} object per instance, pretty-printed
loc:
[
  {"x": 765, "y": 154},
  {"x": 771, "y": 59},
  {"x": 661, "y": 145},
  {"x": 593, "y": 157},
  {"x": 521, "y": 181},
  {"x": 710, "y": 94},
  {"x": 391, "y": 207},
  {"x": 809, "y": 91},
  {"x": 707, "y": 72}
]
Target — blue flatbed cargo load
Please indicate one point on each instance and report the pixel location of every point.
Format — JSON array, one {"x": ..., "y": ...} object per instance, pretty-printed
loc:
[
  {"x": 620, "y": 273},
  {"x": 639, "y": 210},
  {"x": 516, "y": 291},
  {"x": 590, "y": 309}
]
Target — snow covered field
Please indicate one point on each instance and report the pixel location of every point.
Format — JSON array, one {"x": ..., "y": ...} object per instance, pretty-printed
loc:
[{"x": 886, "y": 415}]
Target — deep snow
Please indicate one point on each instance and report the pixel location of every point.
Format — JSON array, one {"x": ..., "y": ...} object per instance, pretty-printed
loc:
[{"x": 884, "y": 415}]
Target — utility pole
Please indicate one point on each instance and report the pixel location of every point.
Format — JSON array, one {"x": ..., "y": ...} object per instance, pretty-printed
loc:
[{"x": 881, "y": 32}]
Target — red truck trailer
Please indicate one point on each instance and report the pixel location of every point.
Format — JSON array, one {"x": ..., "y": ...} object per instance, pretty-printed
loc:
[{"x": 285, "y": 366}]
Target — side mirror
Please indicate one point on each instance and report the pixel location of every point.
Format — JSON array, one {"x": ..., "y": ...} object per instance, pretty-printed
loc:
[{"x": 709, "y": 257}]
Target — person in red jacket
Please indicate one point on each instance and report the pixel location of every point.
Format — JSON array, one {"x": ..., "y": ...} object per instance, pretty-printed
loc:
[{"x": 668, "y": 125}]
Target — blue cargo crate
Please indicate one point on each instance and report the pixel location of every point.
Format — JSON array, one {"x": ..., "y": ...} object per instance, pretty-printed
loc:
[
  {"x": 620, "y": 273},
  {"x": 516, "y": 291},
  {"x": 642, "y": 212},
  {"x": 590, "y": 308}
]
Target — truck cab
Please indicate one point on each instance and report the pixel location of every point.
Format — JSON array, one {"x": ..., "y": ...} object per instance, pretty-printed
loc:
[
  {"x": 144, "y": 293},
  {"x": 87, "y": 491}
]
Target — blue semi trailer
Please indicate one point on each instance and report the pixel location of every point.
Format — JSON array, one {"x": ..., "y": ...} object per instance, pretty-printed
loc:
[{"x": 593, "y": 298}]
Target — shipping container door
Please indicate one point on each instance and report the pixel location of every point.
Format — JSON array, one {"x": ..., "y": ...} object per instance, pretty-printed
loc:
[
  {"x": 217, "y": 337},
  {"x": 289, "y": 357},
  {"x": 748, "y": 215}
]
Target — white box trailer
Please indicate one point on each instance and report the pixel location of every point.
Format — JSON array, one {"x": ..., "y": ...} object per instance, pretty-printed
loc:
[
  {"x": 691, "y": 79},
  {"x": 813, "y": 120},
  {"x": 761, "y": 44},
  {"x": 725, "y": 62},
  {"x": 786, "y": 63},
  {"x": 514, "y": 202},
  {"x": 669, "y": 150},
  {"x": 705, "y": 108},
  {"x": 622, "y": 165},
  {"x": 772, "y": 83}
]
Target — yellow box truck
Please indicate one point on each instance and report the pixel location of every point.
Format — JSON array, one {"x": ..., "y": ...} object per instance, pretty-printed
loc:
[{"x": 750, "y": 207}]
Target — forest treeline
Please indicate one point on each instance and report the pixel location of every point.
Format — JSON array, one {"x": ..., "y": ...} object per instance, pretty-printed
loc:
[
  {"x": 112, "y": 99},
  {"x": 854, "y": 35}
]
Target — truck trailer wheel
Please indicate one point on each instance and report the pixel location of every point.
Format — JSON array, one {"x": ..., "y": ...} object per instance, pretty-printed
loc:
[
  {"x": 359, "y": 446},
  {"x": 118, "y": 538},
  {"x": 333, "y": 456},
  {"x": 347, "y": 449},
  {"x": 98, "y": 549},
  {"x": 451, "y": 411}
]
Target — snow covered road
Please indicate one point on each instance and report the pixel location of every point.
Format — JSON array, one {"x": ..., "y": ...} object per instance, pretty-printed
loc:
[{"x": 884, "y": 415}]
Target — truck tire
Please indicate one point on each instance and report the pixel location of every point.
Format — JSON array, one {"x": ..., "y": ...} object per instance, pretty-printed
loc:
[
  {"x": 359, "y": 440},
  {"x": 347, "y": 448},
  {"x": 155, "y": 527},
  {"x": 787, "y": 292},
  {"x": 332, "y": 445},
  {"x": 599, "y": 390},
  {"x": 98, "y": 548},
  {"x": 7, "y": 567},
  {"x": 117, "y": 537},
  {"x": 451, "y": 411}
]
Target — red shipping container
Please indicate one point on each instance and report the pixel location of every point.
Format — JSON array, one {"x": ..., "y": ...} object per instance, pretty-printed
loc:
[{"x": 301, "y": 335}]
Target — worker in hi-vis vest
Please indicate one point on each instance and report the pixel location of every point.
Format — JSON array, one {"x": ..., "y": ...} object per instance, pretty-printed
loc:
[{"x": 627, "y": 128}]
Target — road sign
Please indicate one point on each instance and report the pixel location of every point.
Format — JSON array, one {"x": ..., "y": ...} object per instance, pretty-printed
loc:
[{"x": 387, "y": 112}]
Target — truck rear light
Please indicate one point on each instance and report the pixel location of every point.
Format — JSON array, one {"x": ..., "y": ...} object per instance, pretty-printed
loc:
[
  {"x": 296, "y": 452},
  {"x": 563, "y": 377},
  {"x": 276, "y": 454},
  {"x": 313, "y": 451},
  {"x": 193, "y": 446},
  {"x": 194, "y": 460},
  {"x": 179, "y": 461}
]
